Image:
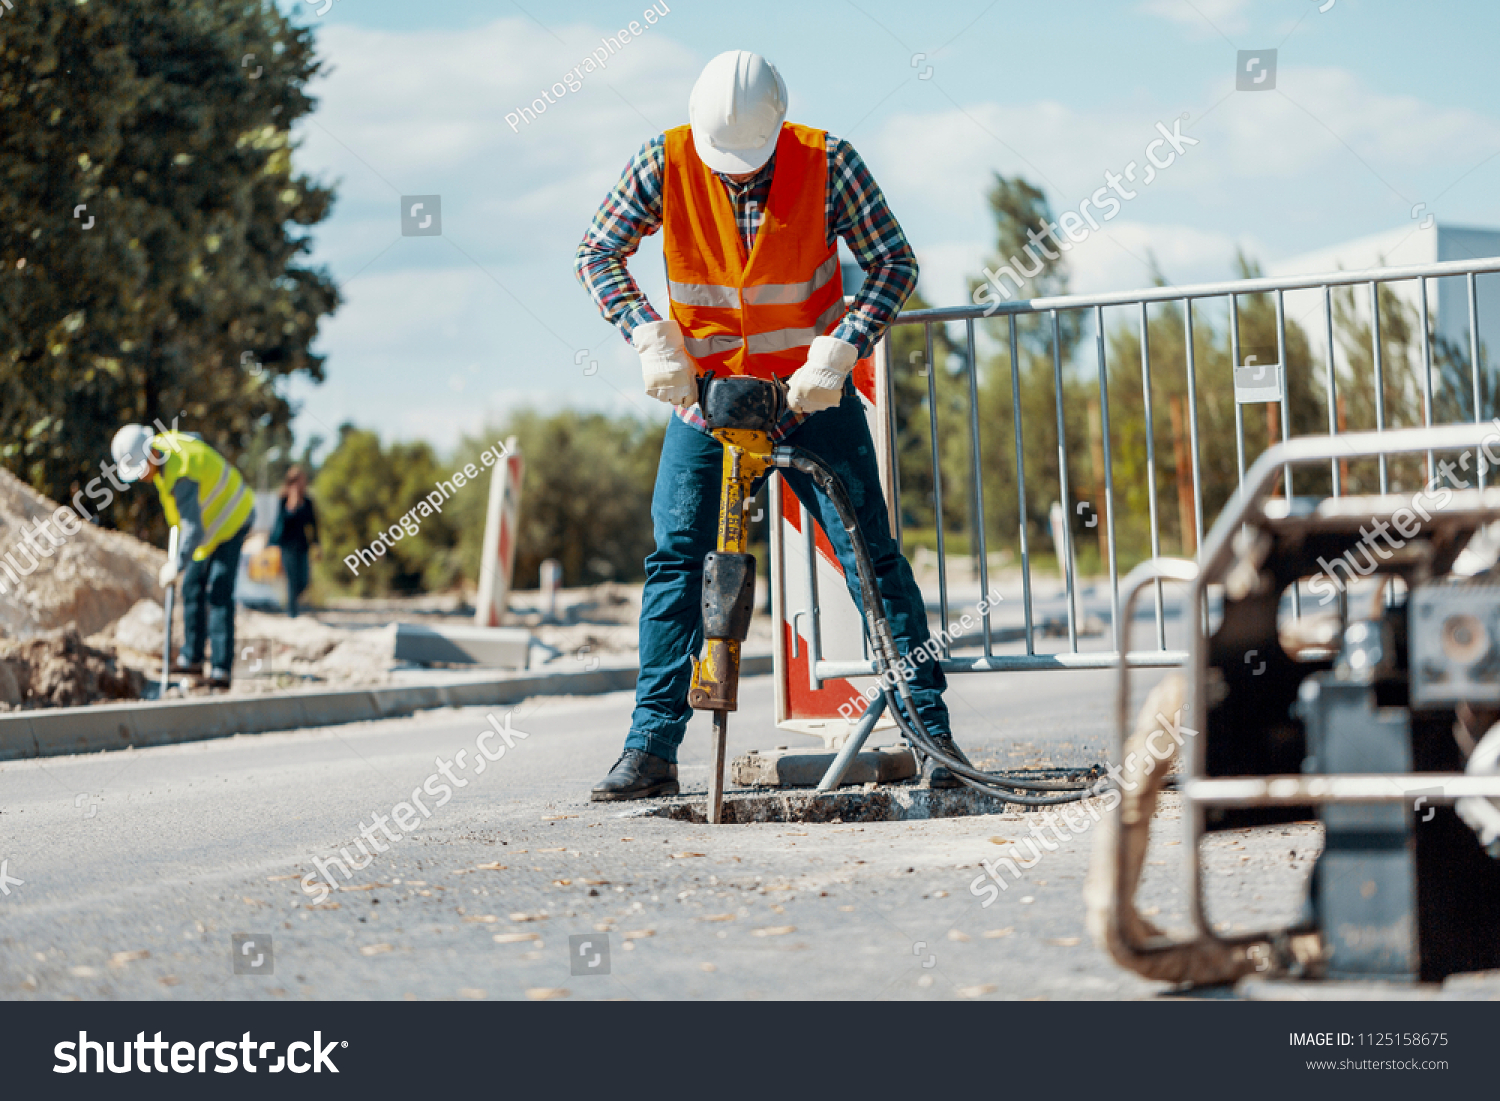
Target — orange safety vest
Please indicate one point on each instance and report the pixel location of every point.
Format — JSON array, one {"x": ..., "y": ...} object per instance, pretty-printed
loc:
[{"x": 757, "y": 314}]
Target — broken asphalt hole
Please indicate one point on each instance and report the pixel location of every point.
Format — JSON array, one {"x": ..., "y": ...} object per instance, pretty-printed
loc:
[{"x": 894, "y": 804}]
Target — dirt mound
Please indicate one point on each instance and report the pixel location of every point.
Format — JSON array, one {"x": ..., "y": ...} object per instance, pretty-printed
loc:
[
  {"x": 89, "y": 581},
  {"x": 272, "y": 652},
  {"x": 60, "y": 670}
]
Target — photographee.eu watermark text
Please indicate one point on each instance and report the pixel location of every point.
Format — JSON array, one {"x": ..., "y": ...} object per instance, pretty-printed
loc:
[
  {"x": 410, "y": 522},
  {"x": 598, "y": 59}
]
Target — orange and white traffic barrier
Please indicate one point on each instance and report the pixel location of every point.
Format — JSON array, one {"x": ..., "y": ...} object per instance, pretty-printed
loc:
[{"x": 497, "y": 556}]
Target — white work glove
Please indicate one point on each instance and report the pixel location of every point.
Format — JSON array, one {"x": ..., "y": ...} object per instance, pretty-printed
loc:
[
  {"x": 168, "y": 572},
  {"x": 819, "y": 383},
  {"x": 665, "y": 365}
]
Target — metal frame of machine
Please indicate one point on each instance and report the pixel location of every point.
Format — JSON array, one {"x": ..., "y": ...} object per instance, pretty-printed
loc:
[{"x": 1230, "y": 778}]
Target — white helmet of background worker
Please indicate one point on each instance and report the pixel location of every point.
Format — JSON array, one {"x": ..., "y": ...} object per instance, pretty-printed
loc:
[
  {"x": 130, "y": 450},
  {"x": 736, "y": 109}
]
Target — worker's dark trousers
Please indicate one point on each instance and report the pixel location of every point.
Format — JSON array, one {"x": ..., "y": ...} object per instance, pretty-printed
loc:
[
  {"x": 685, "y": 515},
  {"x": 208, "y": 601},
  {"x": 294, "y": 563}
]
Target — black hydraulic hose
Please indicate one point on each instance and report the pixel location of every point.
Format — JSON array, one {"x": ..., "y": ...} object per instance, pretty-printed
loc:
[{"x": 1001, "y": 785}]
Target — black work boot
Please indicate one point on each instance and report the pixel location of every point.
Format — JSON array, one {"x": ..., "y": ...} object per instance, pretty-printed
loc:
[
  {"x": 936, "y": 775},
  {"x": 636, "y": 775}
]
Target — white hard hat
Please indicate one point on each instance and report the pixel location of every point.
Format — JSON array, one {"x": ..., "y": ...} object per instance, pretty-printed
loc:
[
  {"x": 737, "y": 108},
  {"x": 130, "y": 451}
]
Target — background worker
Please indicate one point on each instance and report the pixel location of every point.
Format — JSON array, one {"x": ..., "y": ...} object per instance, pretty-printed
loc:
[
  {"x": 208, "y": 502},
  {"x": 751, "y": 210},
  {"x": 295, "y": 531}
]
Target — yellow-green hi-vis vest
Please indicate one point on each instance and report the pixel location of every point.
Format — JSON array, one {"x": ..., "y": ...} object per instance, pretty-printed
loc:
[{"x": 224, "y": 500}]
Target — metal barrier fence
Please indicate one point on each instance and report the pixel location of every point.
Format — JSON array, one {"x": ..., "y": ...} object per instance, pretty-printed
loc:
[{"x": 1053, "y": 309}]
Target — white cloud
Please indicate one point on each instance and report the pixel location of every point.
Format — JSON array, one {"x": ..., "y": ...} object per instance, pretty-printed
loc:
[
  {"x": 949, "y": 157},
  {"x": 421, "y": 113},
  {"x": 1208, "y": 16},
  {"x": 1255, "y": 156},
  {"x": 936, "y": 169},
  {"x": 1117, "y": 258},
  {"x": 1317, "y": 118},
  {"x": 947, "y": 267}
]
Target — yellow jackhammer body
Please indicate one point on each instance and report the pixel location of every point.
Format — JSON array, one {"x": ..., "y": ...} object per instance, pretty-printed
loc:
[{"x": 740, "y": 412}]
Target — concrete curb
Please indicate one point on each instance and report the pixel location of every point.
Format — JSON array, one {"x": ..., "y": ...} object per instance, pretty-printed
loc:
[{"x": 50, "y": 732}]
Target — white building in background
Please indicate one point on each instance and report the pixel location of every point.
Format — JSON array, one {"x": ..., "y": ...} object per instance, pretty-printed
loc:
[{"x": 1447, "y": 299}]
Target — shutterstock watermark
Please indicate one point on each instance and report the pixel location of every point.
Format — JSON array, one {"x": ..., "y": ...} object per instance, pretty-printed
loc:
[
  {"x": 410, "y": 522},
  {"x": 1403, "y": 524},
  {"x": 572, "y": 80},
  {"x": 989, "y": 885},
  {"x": 193, "y": 1056},
  {"x": 490, "y": 745},
  {"x": 69, "y": 521},
  {"x": 1076, "y": 225}
]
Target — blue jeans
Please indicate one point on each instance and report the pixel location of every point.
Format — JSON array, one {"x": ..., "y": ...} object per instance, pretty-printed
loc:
[
  {"x": 208, "y": 600},
  {"x": 685, "y": 516}
]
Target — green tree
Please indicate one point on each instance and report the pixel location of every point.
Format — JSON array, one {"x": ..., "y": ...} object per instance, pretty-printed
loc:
[
  {"x": 585, "y": 495},
  {"x": 364, "y": 488},
  {"x": 170, "y": 121},
  {"x": 1215, "y": 408},
  {"x": 1404, "y": 376}
]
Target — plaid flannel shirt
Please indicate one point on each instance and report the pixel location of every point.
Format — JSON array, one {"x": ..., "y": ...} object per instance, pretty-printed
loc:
[{"x": 855, "y": 210}]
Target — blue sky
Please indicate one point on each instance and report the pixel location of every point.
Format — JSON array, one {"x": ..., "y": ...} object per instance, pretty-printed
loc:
[{"x": 1378, "y": 106}]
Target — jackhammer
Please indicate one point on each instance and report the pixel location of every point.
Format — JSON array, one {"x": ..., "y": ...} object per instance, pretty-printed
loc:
[{"x": 741, "y": 412}]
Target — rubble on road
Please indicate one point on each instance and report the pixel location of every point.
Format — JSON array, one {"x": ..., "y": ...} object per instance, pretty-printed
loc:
[
  {"x": 59, "y": 669},
  {"x": 273, "y": 652}
]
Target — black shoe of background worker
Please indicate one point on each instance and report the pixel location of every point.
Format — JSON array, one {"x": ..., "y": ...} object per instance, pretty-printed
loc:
[
  {"x": 218, "y": 678},
  {"x": 937, "y": 775},
  {"x": 637, "y": 775}
]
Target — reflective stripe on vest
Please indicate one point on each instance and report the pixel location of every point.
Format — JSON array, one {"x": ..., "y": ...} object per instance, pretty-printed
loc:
[
  {"x": 224, "y": 500},
  {"x": 765, "y": 294},
  {"x": 777, "y": 340},
  {"x": 704, "y": 294},
  {"x": 753, "y": 313},
  {"x": 227, "y": 520},
  {"x": 776, "y": 294}
]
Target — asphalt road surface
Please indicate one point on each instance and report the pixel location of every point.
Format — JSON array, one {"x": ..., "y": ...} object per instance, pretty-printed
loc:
[{"x": 137, "y": 869}]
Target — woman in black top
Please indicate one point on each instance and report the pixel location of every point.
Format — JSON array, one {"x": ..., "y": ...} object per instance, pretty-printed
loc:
[{"x": 296, "y": 533}]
